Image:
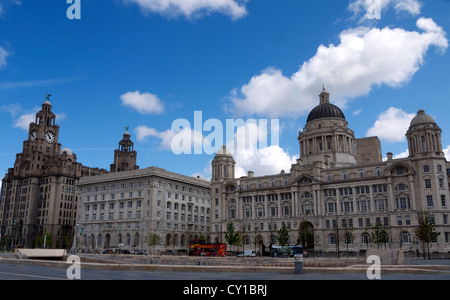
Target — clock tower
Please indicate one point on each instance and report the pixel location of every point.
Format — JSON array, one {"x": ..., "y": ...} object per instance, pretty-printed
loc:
[
  {"x": 39, "y": 194},
  {"x": 43, "y": 132}
]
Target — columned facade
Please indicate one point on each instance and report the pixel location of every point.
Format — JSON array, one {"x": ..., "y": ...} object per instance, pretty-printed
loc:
[{"x": 340, "y": 186}]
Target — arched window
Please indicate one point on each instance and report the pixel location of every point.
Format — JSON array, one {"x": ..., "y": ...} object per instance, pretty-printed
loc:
[
  {"x": 331, "y": 239},
  {"x": 272, "y": 183},
  {"x": 344, "y": 175},
  {"x": 259, "y": 184},
  {"x": 329, "y": 177},
  {"x": 361, "y": 174},
  {"x": 365, "y": 238},
  {"x": 406, "y": 237},
  {"x": 378, "y": 172},
  {"x": 247, "y": 186},
  {"x": 285, "y": 182}
]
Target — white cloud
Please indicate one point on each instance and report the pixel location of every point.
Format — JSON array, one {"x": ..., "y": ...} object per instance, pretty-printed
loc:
[
  {"x": 264, "y": 161},
  {"x": 365, "y": 57},
  {"x": 391, "y": 125},
  {"x": 360, "y": 8},
  {"x": 186, "y": 139},
  {"x": 23, "y": 122},
  {"x": 24, "y": 118},
  {"x": 191, "y": 8},
  {"x": 145, "y": 103},
  {"x": 447, "y": 153},
  {"x": 3, "y": 55},
  {"x": 251, "y": 152}
]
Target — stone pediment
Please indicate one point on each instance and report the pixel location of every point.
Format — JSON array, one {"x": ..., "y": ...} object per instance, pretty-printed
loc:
[{"x": 304, "y": 179}]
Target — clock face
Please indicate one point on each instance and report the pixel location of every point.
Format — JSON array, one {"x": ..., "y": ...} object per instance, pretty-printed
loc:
[
  {"x": 49, "y": 137},
  {"x": 33, "y": 136}
]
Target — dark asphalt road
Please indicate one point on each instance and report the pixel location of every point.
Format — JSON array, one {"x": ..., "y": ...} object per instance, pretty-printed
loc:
[{"x": 29, "y": 272}]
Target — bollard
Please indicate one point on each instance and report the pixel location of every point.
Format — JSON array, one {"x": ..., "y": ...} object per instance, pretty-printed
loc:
[{"x": 298, "y": 264}]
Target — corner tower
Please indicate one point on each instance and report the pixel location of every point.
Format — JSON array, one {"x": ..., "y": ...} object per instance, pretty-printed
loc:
[
  {"x": 424, "y": 136},
  {"x": 223, "y": 165}
]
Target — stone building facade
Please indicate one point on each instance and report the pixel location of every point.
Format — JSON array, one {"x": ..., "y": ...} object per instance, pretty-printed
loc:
[
  {"x": 38, "y": 194},
  {"x": 340, "y": 187},
  {"x": 122, "y": 210}
]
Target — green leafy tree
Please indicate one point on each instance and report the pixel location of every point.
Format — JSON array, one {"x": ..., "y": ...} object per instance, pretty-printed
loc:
[
  {"x": 379, "y": 235},
  {"x": 154, "y": 240},
  {"x": 305, "y": 236},
  {"x": 231, "y": 236},
  {"x": 425, "y": 232},
  {"x": 283, "y": 236}
]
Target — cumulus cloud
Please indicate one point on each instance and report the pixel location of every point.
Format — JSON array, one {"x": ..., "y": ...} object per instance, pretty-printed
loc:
[
  {"x": 447, "y": 153},
  {"x": 364, "y": 58},
  {"x": 183, "y": 141},
  {"x": 360, "y": 8},
  {"x": 145, "y": 103},
  {"x": 190, "y": 8},
  {"x": 23, "y": 118},
  {"x": 249, "y": 147},
  {"x": 252, "y": 153},
  {"x": 391, "y": 125}
]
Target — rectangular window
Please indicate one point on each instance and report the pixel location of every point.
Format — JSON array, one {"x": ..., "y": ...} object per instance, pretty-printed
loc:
[
  {"x": 428, "y": 183},
  {"x": 429, "y": 200}
]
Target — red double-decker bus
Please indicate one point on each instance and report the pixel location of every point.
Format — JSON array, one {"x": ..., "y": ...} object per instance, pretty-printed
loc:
[{"x": 200, "y": 248}]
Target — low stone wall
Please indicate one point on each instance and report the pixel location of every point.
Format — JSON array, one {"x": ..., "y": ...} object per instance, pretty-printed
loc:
[
  {"x": 388, "y": 257},
  {"x": 219, "y": 261}
]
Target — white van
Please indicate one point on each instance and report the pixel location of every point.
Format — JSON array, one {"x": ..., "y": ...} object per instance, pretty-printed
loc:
[{"x": 247, "y": 253}]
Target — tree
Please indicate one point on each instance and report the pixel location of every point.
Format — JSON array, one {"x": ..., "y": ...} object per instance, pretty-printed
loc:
[
  {"x": 425, "y": 232},
  {"x": 154, "y": 240},
  {"x": 379, "y": 235},
  {"x": 231, "y": 236},
  {"x": 305, "y": 236},
  {"x": 283, "y": 236},
  {"x": 348, "y": 237}
]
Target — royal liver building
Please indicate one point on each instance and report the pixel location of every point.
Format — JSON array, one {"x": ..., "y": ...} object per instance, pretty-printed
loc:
[{"x": 338, "y": 190}]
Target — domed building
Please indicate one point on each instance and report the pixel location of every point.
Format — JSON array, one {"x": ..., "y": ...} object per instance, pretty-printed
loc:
[{"x": 338, "y": 190}]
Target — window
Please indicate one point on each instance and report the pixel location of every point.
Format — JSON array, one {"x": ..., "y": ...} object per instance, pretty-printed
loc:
[
  {"x": 361, "y": 174},
  {"x": 429, "y": 200},
  {"x": 329, "y": 177},
  {"x": 378, "y": 172},
  {"x": 331, "y": 239},
  {"x": 285, "y": 182},
  {"x": 426, "y": 169},
  {"x": 344, "y": 175},
  {"x": 272, "y": 183},
  {"x": 406, "y": 237},
  {"x": 428, "y": 183},
  {"x": 365, "y": 238}
]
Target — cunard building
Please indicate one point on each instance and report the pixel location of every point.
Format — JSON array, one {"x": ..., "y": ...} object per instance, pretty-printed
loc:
[
  {"x": 128, "y": 207},
  {"x": 38, "y": 194},
  {"x": 340, "y": 184}
]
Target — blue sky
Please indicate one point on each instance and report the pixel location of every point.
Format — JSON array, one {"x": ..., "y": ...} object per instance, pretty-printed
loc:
[{"x": 146, "y": 63}]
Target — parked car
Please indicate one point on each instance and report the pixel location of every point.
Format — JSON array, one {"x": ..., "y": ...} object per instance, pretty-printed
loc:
[{"x": 247, "y": 253}]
